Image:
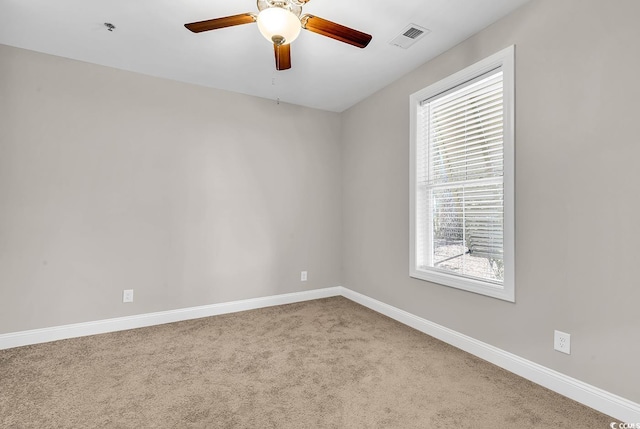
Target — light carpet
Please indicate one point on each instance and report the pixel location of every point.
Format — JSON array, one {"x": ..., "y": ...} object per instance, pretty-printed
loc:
[{"x": 328, "y": 363}]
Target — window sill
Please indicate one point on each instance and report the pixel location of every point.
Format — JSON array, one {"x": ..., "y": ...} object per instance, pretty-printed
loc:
[{"x": 503, "y": 292}]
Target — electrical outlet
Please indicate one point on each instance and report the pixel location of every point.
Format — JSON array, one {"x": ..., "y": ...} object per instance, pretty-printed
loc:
[
  {"x": 562, "y": 342},
  {"x": 303, "y": 276},
  {"x": 127, "y": 295}
]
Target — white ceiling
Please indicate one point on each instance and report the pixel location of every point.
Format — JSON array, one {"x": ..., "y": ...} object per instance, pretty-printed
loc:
[{"x": 150, "y": 38}]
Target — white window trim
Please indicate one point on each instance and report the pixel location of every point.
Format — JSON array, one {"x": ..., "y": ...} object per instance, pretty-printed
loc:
[{"x": 504, "y": 60}]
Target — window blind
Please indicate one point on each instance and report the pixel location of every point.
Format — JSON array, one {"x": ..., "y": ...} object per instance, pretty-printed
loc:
[{"x": 460, "y": 192}]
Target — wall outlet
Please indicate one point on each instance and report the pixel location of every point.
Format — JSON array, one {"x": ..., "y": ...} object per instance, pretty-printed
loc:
[
  {"x": 562, "y": 342},
  {"x": 303, "y": 276},
  {"x": 127, "y": 295}
]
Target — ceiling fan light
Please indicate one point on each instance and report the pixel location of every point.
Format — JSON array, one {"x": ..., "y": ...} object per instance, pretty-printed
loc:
[{"x": 278, "y": 25}]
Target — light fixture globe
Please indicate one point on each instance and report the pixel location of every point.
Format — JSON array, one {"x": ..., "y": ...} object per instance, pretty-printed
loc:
[{"x": 278, "y": 25}]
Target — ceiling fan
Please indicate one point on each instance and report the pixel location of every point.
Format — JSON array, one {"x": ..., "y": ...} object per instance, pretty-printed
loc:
[{"x": 280, "y": 22}]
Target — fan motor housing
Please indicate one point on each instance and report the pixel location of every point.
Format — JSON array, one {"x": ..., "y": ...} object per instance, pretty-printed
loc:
[{"x": 294, "y": 6}]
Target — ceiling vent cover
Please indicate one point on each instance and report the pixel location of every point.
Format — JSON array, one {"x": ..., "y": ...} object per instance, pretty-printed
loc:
[{"x": 410, "y": 35}]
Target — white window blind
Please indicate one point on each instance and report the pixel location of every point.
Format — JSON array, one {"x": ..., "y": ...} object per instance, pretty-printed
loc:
[{"x": 460, "y": 178}]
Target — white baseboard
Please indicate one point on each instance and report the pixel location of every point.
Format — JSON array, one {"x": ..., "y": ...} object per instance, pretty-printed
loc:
[
  {"x": 44, "y": 335},
  {"x": 598, "y": 399},
  {"x": 591, "y": 396}
]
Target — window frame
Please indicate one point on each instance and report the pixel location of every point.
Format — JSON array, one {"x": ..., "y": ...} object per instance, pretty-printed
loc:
[{"x": 503, "y": 60}]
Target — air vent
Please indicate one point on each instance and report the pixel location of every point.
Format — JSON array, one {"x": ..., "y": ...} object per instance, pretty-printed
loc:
[{"x": 410, "y": 35}]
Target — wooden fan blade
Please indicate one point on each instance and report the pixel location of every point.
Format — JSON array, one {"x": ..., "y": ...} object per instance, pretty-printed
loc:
[
  {"x": 227, "y": 21},
  {"x": 335, "y": 31},
  {"x": 283, "y": 56}
]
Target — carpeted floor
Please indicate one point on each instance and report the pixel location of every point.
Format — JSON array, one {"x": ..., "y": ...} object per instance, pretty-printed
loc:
[{"x": 328, "y": 363}]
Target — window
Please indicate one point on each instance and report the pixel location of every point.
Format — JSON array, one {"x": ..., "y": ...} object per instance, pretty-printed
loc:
[{"x": 462, "y": 179}]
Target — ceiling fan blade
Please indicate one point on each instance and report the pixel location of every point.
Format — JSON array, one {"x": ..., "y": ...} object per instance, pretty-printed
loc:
[
  {"x": 335, "y": 31},
  {"x": 227, "y": 21},
  {"x": 283, "y": 56}
]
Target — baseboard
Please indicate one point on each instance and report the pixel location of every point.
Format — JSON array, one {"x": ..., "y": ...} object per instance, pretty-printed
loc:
[
  {"x": 596, "y": 398},
  {"x": 36, "y": 336},
  {"x": 591, "y": 396}
]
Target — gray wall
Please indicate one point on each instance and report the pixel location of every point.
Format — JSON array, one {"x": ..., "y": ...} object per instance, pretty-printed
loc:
[
  {"x": 577, "y": 176},
  {"x": 111, "y": 180}
]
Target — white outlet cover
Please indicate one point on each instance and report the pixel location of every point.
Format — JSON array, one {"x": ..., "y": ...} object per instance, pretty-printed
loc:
[
  {"x": 303, "y": 276},
  {"x": 562, "y": 342},
  {"x": 127, "y": 295}
]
